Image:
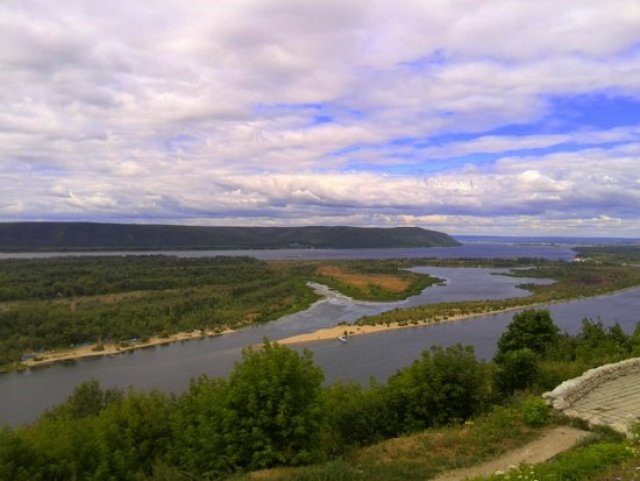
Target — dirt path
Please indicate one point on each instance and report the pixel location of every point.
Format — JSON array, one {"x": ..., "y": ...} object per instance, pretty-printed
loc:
[{"x": 542, "y": 449}]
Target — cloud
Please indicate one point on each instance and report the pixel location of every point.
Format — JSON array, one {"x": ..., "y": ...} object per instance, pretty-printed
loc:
[{"x": 372, "y": 113}]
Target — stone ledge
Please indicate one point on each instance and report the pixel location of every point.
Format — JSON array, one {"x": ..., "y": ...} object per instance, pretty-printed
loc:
[{"x": 566, "y": 394}]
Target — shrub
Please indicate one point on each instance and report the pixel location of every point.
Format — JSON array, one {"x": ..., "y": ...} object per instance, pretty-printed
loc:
[
  {"x": 535, "y": 412},
  {"x": 517, "y": 370},
  {"x": 445, "y": 385}
]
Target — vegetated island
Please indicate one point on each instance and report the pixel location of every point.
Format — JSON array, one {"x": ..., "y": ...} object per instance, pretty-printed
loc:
[
  {"x": 599, "y": 270},
  {"x": 64, "y": 308},
  {"x": 88, "y": 236}
]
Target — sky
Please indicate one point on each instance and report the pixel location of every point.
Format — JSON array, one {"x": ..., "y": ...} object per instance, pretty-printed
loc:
[{"x": 494, "y": 117}]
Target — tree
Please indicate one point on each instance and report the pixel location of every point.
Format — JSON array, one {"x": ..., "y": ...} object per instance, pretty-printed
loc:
[
  {"x": 530, "y": 329},
  {"x": 597, "y": 344},
  {"x": 273, "y": 408},
  {"x": 88, "y": 399},
  {"x": 443, "y": 386},
  {"x": 356, "y": 416},
  {"x": 517, "y": 370},
  {"x": 199, "y": 443}
]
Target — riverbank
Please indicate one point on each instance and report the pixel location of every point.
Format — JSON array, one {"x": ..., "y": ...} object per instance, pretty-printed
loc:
[
  {"x": 350, "y": 330},
  {"x": 113, "y": 349}
]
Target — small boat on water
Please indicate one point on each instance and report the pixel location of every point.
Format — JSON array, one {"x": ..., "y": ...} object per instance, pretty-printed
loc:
[{"x": 344, "y": 338}]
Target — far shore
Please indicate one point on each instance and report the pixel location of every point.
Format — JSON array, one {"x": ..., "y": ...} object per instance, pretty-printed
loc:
[{"x": 112, "y": 349}]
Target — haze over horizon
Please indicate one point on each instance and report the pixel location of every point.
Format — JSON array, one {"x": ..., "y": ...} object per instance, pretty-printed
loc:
[{"x": 495, "y": 117}]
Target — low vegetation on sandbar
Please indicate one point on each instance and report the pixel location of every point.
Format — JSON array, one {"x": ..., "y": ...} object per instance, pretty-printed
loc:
[{"x": 572, "y": 280}]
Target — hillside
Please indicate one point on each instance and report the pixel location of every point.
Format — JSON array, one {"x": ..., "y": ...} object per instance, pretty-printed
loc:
[{"x": 75, "y": 236}]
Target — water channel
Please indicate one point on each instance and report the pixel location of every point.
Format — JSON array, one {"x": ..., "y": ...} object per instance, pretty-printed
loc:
[{"x": 26, "y": 394}]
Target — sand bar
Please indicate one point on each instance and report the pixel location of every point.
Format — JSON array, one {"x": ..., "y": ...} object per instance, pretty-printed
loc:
[{"x": 350, "y": 330}]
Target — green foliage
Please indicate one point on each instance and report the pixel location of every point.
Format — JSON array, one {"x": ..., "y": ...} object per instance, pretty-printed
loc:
[
  {"x": 397, "y": 268},
  {"x": 516, "y": 370},
  {"x": 445, "y": 385},
  {"x": 337, "y": 470},
  {"x": 274, "y": 411},
  {"x": 535, "y": 412},
  {"x": 573, "y": 279},
  {"x": 71, "y": 301},
  {"x": 133, "y": 434},
  {"x": 530, "y": 329},
  {"x": 199, "y": 443},
  {"x": 552, "y": 372},
  {"x": 576, "y": 465},
  {"x": 269, "y": 412},
  {"x": 423, "y": 455},
  {"x": 356, "y": 416},
  {"x": 88, "y": 399},
  {"x": 596, "y": 342},
  {"x": 610, "y": 253},
  {"x": 17, "y": 457}
]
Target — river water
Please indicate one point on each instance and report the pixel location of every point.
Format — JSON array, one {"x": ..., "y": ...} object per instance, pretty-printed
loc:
[
  {"x": 473, "y": 249},
  {"x": 26, "y": 394}
]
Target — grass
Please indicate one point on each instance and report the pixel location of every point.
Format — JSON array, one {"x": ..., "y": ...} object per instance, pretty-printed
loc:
[
  {"x": 380, "y": 280},
  {"x": 582, "y": 463},
  {"x": 422, "y": 455},
  {"x": 604, "y": 456}
]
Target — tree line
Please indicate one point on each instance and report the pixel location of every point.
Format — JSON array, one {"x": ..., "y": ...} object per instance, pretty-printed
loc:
[{"x": 63, "y": 302}]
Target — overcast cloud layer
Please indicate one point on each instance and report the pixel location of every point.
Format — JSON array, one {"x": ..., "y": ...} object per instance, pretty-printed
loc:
[{"x": 513, "y": 117}]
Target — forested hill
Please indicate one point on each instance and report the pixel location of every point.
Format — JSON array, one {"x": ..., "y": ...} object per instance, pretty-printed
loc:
[{"x": 75, "y": 236}]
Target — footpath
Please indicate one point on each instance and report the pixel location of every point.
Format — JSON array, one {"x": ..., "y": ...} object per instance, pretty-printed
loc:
[{"x": 550, "y": 444}]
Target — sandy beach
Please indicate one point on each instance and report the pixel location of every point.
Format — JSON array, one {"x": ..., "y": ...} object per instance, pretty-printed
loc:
[
  {"x": 350, "y": 330},
  {"x": 112, "y": 349}
]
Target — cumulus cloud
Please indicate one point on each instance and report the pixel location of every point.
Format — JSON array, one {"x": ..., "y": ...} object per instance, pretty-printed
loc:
[{"x": 337, "y": 112}]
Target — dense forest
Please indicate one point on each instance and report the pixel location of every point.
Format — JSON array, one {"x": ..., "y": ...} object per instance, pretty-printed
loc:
[
  {"x": 273, "y": 410},
  {"x": 610, "y": 253},
  {"x": 78, "y": 236},
  {"x": 69, "y": 301},
  {"x": 66, "y": 302}
]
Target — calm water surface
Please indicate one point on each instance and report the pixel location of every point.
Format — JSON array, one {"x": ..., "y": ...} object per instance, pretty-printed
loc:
[
  {"x": 476, "y": 249},
  {"x": 25, "y": 395}
]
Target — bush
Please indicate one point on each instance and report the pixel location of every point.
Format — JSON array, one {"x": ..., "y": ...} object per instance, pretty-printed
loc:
[
  {"x": 516, "y": 370},
  {"x": 535, "y": 412},
  {"x": 553, "y": 373},
  {"x": 356, "y": 416},
  {"x": 273, "y": 408},
  {"x": 445, "y": 385}
]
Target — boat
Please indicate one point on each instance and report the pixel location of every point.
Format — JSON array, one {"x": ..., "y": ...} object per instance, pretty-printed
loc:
[{"x": 344, "y": 338}]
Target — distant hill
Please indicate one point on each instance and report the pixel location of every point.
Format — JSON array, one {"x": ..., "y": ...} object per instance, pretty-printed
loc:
[{"x": 76, "y": 236}]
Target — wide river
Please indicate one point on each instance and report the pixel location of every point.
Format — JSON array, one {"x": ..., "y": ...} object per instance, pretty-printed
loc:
[{"x": 26, "y": 394}]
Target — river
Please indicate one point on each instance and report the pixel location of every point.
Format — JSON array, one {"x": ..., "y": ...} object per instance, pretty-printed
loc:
[
  {"x": 26, "y": 394},
  {"x": 472, "y": 249}
]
